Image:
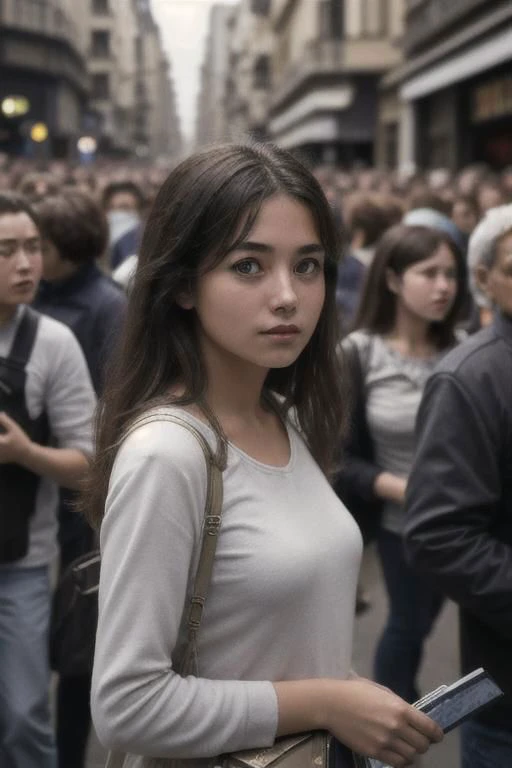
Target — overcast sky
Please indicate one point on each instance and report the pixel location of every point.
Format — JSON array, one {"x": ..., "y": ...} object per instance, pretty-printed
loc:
[{"x": 184, "y": 24}]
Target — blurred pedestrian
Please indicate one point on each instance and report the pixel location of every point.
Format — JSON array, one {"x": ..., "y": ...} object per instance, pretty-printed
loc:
[
  {"x": 37, "y": 184},
  {"x": 465, "y": 214},
  {"x": 123, "y": 203},
  {"x": 46, "y": 408},
  {"x": 232, "y": 328},
  {"x": 458, "y": 532},
  {"x": 489, "y": 194},
  {"x": 76, "y": 292},
  {"x": 368, "y": 217},
  {"x": 406, "y": 320}
]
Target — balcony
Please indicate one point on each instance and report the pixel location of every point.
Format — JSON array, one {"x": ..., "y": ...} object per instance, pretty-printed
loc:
[
  {"x": 41, "y": 18},
  {"x": 426, "y": 19},
  {"x": 320, "y": 57}
]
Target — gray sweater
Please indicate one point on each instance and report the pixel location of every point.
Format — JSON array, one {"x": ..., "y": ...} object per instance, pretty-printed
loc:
[
  {"x": 393, "y": 389},
  {"x": 280, "y": 606}
]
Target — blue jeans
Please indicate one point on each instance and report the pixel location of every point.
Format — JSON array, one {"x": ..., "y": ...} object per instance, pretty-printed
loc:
[
  {"x": 26, "y": 734},
  {"x": 413, "y": 609},
  {"x": 484, "y": 746}
]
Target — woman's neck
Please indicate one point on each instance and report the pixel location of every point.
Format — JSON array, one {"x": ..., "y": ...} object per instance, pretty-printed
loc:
[
  {"x": 234, "y": 397},
  {"x": 410, "y": 335}
]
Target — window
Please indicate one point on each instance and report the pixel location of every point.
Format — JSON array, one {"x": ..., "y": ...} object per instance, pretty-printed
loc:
[
  {"x": 100, "y": 86},
  {"x": 372, "y": 18},
  {"x": 100, "y": 7},
  {"x": 260, "y": 7},
  {"x": 391, "y": 146},
  {"x": 100, "y": 44},
  {"x": 262, "y": 72},
  {"x": 331, "y": 19}
]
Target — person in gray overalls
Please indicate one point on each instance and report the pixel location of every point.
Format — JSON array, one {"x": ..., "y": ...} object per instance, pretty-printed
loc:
[{"x": 46, "y": 407}]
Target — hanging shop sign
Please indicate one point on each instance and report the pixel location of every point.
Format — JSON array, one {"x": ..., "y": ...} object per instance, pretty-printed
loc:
[{"x": 492, "y": 100}]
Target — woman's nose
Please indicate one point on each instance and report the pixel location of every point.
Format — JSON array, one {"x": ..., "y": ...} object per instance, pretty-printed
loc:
[{"x": 284, "y": 295}]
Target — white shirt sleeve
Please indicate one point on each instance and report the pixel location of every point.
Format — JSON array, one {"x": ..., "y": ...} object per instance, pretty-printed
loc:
[
  {"x": 59, "y": 382},
  {"x": 149, "y": 540}
]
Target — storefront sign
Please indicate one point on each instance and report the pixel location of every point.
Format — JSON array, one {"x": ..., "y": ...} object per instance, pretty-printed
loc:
[{"x": 492, "y": 100}]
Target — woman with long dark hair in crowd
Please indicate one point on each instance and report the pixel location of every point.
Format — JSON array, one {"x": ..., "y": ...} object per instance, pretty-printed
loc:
[
  {"x": 231, "y": 327},
  {"x": 412, "y": 299}
]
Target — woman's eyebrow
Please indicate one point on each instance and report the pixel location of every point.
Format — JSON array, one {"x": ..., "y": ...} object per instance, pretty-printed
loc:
[{"x": 251, "y": 245}]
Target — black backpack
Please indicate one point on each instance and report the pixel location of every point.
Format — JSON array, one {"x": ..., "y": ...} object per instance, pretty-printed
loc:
[{"x": 18, "y": 486}]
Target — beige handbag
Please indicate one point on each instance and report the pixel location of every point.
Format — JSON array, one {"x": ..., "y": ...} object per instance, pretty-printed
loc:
[{"x": 305, "y": 750}]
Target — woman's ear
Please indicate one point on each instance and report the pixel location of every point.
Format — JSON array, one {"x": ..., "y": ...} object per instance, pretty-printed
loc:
[
  {"x": 393, "y": 281},
  {"x": 481, "y": 274},
  {"x": 185, "y": 298}
]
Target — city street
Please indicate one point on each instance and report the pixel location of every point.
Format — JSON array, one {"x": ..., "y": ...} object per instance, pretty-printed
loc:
[{"x": 440, "y": 664}]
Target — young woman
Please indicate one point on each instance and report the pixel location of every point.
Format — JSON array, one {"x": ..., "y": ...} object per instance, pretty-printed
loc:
[
  {"x": 406, "y": 320},
  {"x": 232, "y": 322}
]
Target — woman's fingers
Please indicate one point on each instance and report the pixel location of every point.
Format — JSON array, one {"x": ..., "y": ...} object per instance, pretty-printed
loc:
[
  {"x": 417, "y": 740},
  {"x": 424, "y": 725}
]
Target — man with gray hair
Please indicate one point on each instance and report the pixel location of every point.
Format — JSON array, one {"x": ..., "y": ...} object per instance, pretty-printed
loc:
[
  {"x": 481, "y": 256},
  {"x": 459, "y": 494}
]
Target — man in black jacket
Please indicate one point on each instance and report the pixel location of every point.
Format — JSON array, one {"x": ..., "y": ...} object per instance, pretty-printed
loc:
[{"x": 459, "y": 493}]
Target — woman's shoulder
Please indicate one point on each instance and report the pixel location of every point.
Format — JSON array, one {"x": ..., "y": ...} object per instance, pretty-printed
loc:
[
  {"x": 169, "y": 433},
  {"x": 360, "y": 339},
  {"x": 359, "y": 344}
]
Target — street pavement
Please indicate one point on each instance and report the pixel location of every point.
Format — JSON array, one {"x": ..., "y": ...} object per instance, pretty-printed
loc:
[{"x": 440, "y": 663}]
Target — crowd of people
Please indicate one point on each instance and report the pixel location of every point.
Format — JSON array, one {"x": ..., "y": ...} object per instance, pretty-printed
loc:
[{"x": 342, "y": 340}]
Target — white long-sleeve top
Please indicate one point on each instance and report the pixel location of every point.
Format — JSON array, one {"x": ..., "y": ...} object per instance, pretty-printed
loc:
[{"x": 280, "y": 604}]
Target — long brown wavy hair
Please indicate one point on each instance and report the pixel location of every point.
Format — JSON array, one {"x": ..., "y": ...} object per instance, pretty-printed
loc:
[{"x": 207, "y": 205}]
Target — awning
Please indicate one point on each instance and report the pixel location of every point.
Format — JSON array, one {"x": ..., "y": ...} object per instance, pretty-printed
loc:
[{"x": 478, "y": 58}]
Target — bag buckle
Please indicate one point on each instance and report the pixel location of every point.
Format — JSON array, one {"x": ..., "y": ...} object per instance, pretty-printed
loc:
[
  {"x": 195, "y": 613},
  {"x": 212, "y": 524}
]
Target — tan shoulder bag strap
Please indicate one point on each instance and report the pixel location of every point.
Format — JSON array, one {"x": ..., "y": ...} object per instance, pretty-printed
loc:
[{"x": 211, "y": 527}]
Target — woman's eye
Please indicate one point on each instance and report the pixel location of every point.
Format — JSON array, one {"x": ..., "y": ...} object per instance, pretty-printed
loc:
[
  {"x": 247, "y": 267},
  {"x": 308, "y": 267}
]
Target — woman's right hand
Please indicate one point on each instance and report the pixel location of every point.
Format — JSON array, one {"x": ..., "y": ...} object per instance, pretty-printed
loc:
[
  {"x": 373, "y": 721},
  {"x": 364, "y": 716}
]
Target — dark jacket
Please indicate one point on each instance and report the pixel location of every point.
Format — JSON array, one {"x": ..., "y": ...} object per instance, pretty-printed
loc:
[
  {"x": 126, "y": 246},
  {"x": 351, "y": 276},
  {"x": 459, "y": 499},
  {"x": 93, "y": 306},
  {"x": 358, "y": 471}
]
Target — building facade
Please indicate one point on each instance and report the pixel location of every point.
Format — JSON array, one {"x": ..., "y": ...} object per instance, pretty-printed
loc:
[
  {"x": 43, "y": 77},
  {"x": 89, "y": 68},
  {"x": 111, "y": 63},
  {"x": 328, "y": 59},
  {"x": 456, "y": 85},
  {"x": 211, "y": 117},
  {"x": 236, "y": 80},
  {"x": 250, "y": 79},
  {"x": 157, "y": 130}
]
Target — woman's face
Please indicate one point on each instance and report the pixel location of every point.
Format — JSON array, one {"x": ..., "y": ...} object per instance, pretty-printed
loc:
[
  {"x": 261, "y": 304},
  {"x": 428, "y": 288},
  {"x": 20, "y": 261}
]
